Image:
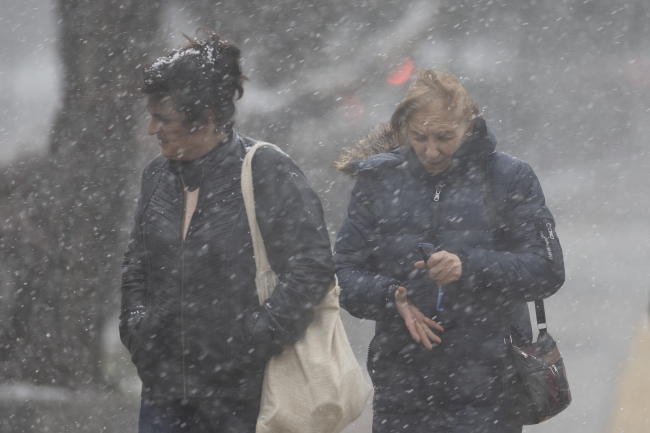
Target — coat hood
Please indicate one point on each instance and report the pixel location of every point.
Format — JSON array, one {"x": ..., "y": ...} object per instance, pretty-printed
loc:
[
  {"x": 376, "y": 141},
  {"x": 366, "y": 152}
]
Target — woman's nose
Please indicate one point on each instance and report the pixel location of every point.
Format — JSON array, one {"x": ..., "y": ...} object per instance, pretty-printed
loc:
[
  {"x": 432, "y": 150},
  {"x": 154, "y": 127}
]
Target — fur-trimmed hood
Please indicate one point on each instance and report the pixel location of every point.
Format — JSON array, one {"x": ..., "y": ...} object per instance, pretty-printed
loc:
[
  {"x": 378, "y": 148},
  {"x": 378, "y": 140}
]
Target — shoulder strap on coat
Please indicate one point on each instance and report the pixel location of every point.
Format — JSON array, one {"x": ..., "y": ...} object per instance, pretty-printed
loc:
[{"x": 497, "y": 233}]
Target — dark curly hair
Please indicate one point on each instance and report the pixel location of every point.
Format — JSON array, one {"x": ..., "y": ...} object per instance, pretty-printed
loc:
[{"x": 203, "y": 75}]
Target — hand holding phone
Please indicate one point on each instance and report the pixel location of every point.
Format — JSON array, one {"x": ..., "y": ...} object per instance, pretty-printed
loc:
[
  {"x": 426, "y": 251},
  {"x": 446, "y": 268}
]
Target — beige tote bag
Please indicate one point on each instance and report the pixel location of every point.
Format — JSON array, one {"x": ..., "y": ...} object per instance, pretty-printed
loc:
[{"x": 315, "y": 386}]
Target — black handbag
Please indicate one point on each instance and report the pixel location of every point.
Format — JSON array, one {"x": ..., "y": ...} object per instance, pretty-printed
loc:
[
  {"x": 535, "y": 382},
  {"x": 534, "y": 378}
]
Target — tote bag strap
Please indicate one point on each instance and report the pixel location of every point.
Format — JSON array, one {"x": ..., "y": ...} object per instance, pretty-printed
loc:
[{"x": 265, "y": 278}]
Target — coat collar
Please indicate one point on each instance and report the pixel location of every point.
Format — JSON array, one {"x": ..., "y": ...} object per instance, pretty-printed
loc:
[
  {"x": 192, "y": 171},
  {"x": 471, "y": 154}
]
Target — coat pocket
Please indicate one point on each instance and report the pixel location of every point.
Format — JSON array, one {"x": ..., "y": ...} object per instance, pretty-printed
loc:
[{"x": 139, "y": 333}]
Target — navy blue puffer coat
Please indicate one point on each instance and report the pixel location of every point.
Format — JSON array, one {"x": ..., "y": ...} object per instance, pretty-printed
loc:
[{"x": 396, "y": 204}]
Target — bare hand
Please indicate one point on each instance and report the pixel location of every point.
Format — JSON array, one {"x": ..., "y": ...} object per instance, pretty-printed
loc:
[
  {"x": 418, "y": 325},
  {"x": 444, "y": 267}
]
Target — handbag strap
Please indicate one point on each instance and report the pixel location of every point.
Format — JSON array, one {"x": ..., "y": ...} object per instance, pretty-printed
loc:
[
  {"x": 497, "y": 233},
  {"x": 540, "y": 313},
  {"x": 263, "y": 268}
]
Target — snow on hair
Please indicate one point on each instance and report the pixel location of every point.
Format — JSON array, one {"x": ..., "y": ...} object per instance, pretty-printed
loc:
[{"x": 203, "y": 75}]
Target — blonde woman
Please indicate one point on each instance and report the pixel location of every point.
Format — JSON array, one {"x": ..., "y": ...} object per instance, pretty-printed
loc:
[{"x": 429, "y": 177}]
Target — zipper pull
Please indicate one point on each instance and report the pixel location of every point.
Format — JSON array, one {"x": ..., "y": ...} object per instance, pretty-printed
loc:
[
  {"x": 520, "y": 351},
  {"x": 437, "y": 196},
  {"x": 550, "y": 230}
]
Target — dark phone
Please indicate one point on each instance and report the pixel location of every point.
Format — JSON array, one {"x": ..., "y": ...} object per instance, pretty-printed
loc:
[{"x": 426, "y": 250}]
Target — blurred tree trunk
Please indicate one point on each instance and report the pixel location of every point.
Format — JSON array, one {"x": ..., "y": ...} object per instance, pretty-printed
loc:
[
  {"x": 63, "y": 214},
  {"x": 284, "y": 36}
]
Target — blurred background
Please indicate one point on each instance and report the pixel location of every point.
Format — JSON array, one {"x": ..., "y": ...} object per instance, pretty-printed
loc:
[{"x": 564, "y": 84}]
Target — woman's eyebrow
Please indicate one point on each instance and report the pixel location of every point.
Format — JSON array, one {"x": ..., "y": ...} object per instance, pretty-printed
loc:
[
  {"x": 444, "y": 132},
  {"x": 413, "y": 131}
]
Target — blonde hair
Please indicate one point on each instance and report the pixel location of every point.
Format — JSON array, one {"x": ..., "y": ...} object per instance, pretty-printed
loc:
[{"x": 432, "y": 87}]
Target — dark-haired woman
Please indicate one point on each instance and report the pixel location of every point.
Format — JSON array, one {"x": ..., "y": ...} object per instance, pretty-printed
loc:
[
  {"x": 432, "y": 177},
  {"x": 190, "y": 312}
]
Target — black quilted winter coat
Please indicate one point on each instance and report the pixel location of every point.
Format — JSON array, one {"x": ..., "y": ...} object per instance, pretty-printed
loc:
[
  {"x": 190, "y": 313},
  {"x": 396, "y": 204}
]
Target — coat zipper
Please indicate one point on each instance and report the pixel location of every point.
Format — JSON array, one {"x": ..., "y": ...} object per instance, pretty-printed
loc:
[
  {"x": 436, "y": 211},
  {"x": 551, "y": 250},
  {"x": 370, "y": 366},
  {"x": 554, "y": 245},
  {"x": 434, "y": 225},
  {"x": 183, "y": 299},
  {"x": 437, "y": 196},
  {"x": 183, "y": 364},
  {"x": 549, "y": 227},
  {"x": 368, "y": 358}
]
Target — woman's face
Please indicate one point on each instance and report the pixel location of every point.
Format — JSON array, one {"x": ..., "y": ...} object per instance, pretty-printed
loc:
[
  {"x": 435, "y": 135},
  {"x": 177, "y": 139}
]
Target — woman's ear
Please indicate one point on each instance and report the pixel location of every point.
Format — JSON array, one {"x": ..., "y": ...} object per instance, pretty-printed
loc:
[
  {"x": 205, "y": 122},
  {"x": 208, "y": 118}
]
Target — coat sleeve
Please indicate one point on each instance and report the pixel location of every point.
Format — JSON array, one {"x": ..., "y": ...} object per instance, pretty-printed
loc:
[
  {"x": 134, "y": 282},
  {"x": 530, "y": 265},
  {"x": 364, "y": 293},
  {"x": 292, "y": 224}
]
